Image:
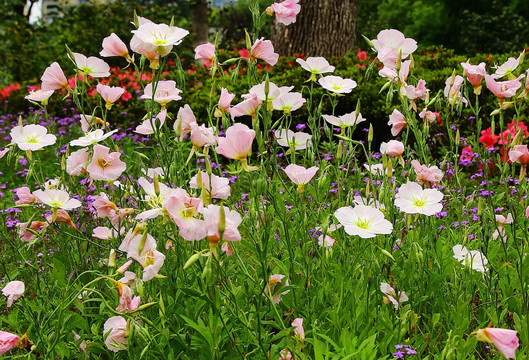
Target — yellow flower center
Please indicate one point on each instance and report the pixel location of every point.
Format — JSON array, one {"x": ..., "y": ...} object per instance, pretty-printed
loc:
[
  {"x": 418, "y": 202},
  {"x": 363, "y": 224}
]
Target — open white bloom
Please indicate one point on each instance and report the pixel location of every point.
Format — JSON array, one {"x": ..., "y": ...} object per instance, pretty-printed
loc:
[
  {"x": 161, "y": 37},
  {"x": 364, "y": 221},
  {"x": 288, "y": 102},
  {"x": 502, "y": 221},
  {"x": 57, "y": 199},
  {"x": 507, "y": 67},
  {"x": 391, "y": 295},
  {"x": 92, "y": 66},
  {"x": 92, "y": 137},
  {"x": 316, "y": 65},
  {"x": 299, "y": 140},
  {"x": 337, "y": 84},
  {"x": 473, "y": 258},
  {"x": 274, "y": 91},
  {"x": 32, "y": 137},
  {"x": 345, "y": 120},
  {"x": 39, "y": 95},
  {"x": 375, "y": 169},
  {"x": 413, "y": 199},
  {"x": 156, "y": 200}
]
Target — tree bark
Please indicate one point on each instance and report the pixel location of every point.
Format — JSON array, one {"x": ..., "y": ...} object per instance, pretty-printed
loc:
[
  {"x": 199, "y": 19},
  {"x": 322, "y": 28}
]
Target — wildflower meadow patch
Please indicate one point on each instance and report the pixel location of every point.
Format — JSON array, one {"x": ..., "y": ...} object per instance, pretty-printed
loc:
[{"x": 240, "y": 233}]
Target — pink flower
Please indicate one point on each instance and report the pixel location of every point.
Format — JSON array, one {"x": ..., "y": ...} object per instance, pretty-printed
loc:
[
  {"x": 286, "y": 11},
  {"x": 205, "y": 52},
  {"x": 26, "y": 235},
  {"x": 316, "y": 65},
  {"x": 299, "y": 331},
  {"x": 104, "y": 207},
  {"x": 264, "y": 50},
  {"x": 285, "y": 355},
  {"x": 414, "y": 93},
  {"x": 114, "y": 46},
  {"x": 503, "y": 89},
  {"x": 232, "y": 221},
  {"x": 105, "y": 165},
  {"x": 24, "y": 196},
  {"x": 110, "y": 94},
  {"x": 300, "y": 175},
  {"x": 389, "y": 43},
  {"x": 425, "y": 174},
  {"x": 13, "y": 290},
  {"x": 146, "y": 49},
  {"x": 505, "y": 340},
  {"x": 364, "y": 221},
  {"x": 225, "y": 99},
  {"x": 238, "y": 142},
  {"x": 397, "y": 122},
  {"x": 146, "y": 127},
  {"x": 275, "y": 287},
  {"x": 53, "y": 78},
  {"x": 166, "y": 92},
  {"x": 519, "y": 153},
  {"x": 337, "y": 84},
  {"x": 3, "y": 152},
  {"x": 452, "y": 89},
  {"x": 39, "y": 95},
  {"x": 220, "y": 187},
  {"x": 126, "y": 301},
  {"x": 202, "y": 136},
  {"x": 160, "y": 37},
  {"x": 182, "y": 124},
  {"x": 392, "y": 148},
  {"x": 249, "y": 106},
  {"x": 76, "y": 162},
  {"x": 428, "y": 115},
  {"x": 183, "y": 210},
  {"x": 391, "y": 295},
  {"x": 8, "y": 341},
  {"x": 413, "y": 199},
  {"x": 91, "y": 66},
  {"x": 56, "y": 199},
  {"x": 474, "y": 73},
  {"x": 115, "y": 330},
  {"x": 31, "y": 137}
]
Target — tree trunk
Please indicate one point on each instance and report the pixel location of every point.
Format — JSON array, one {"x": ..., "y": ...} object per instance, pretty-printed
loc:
[
  {"x": 199, "y": 19},
  {"x": 322, "y": 28}
]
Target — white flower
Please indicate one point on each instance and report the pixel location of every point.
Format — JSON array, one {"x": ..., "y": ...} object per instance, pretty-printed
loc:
[
  {"x": 391, "y": 295},
  {"x": 32, "y": 137},
  {"x": 413, "y": 199},
  {"x": 299, "y": 140},
  {"x": 161, "y": 37},
  {"x": 57, "y": 199},
  {"x": 364, "y": 221},
  {"x": 288, "y": 102},
  {"x": 507, "y": 67},
  {"x": 315, "y": 65},
  {"x": 337, "y": 84},
  {"x": 345, "y": 120},
  {"x": 274, "y": 91},
  {"x": 473, "y": 259},
  {"x": 92, "y": 137}
]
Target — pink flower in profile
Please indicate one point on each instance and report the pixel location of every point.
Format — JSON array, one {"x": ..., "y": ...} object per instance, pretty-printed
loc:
[
  {"x": 115, "y": 332},
  {"x": 337, "y": 84},
  {"x": 286, "y": 11},
  {"x": 182, "y": 124},
  {"x": 205, "y": 52},
  {"x": 413, "y": 199},
  {"x": 114, "y": 46},
  {"x": 24, "y": 196},
  {"x": 285, "y": 355},
  {"x": 238, "y": 142},
  {"x": 57, "y": 199},
  {"x": 126, "y": 301},
  {"x": 389, "y": 43},
  {"x": 503, "y": 89},
  {"x": 225, "y": 99},
  {"x": 391, "y": 73},
  {"x": 275, "y": 287},
  {"x": 364, "y": 221},
  {"x": 3, "y": 152},
  {"x": 415, "y": 93},
  {"x": 346, "y": 120},
  {"x": 232, "y": 221},
  {"x": 110, "y": 94},
  {"x": 53, "y": 78},
  {"x": 105, "y": 165},
  {"x": 103, "y": 206},
  {"x": 505, "y": 340},
  {"x": 264, "y": 50},
  {"x": 76, "y": 162},
  {"x": 249, "y": 106},
  {"x": 31, "y": 137},
  {"x": 8, "y": 341},
  {"x": 474, "y": 74},
  {"x": 220, "y": 187},
  {"x": 146, "y": 127},
  {"x": 39, "y": 95},
  {"x": 520, "y": 154},
  {"x": 300, "y": 175},
  {"x": 166, "y": 92},
  {"x": 392, "y": 148},
  {"x": 202, "y": 136},
  {"x": 425, "y": 174},
  {"x": 13, "y": 290},
  {"x": 391, "y": 295},
  {"x": 428, "y": 115},
  {"x": 316, "y": 65},
  {"x": 159, "y": 37},
  {"x": 184, "y": 211},
  {"x": 397, "y": 122},
  {"x": 298, "y": 331},
  {"x": 26, "y": 235},
  {"x": 91, "y": 66},
  {"x": 452, "y": 89}
]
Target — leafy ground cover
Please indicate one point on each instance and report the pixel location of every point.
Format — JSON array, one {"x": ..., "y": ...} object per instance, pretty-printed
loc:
[{"x": 148, "y": 213}]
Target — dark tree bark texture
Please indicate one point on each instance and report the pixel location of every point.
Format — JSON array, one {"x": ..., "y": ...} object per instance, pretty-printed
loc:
[
  {"x": 322, "y": 28},
  {"x": 199, "y": 19}
]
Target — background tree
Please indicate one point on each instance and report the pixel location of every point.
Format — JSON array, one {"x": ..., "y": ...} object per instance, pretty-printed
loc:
[
  {"x": 322, "y": 28},
  {"x": 199, "y": 21}
]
